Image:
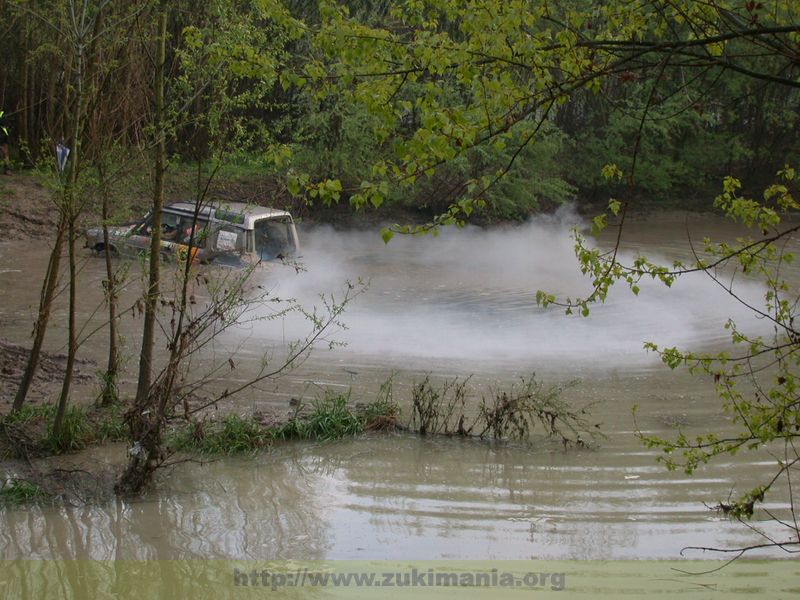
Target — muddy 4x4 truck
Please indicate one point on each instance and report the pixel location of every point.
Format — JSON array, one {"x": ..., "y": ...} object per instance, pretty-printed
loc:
[{"x": 232, "y": 233}]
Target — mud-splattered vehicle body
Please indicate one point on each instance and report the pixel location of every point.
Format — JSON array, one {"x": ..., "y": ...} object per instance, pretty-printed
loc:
[{"x": 231, "y": 233}]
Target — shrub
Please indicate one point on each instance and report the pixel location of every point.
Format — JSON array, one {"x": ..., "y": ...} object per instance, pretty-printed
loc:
[
  {"x": 233, "y": 435},
  {"x": 330, "y": 419}
]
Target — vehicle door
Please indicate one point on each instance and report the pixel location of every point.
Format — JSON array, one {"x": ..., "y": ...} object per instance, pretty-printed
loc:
[
  {"x": 138, "y": 239},
  {"x": 189, "y": 233},
  {"x": 228, "y": 245}
]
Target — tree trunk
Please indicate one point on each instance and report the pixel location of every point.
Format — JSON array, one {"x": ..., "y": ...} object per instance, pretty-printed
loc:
[
  {"x": 58, "y": 421},
  {"x": 70, "y": 210},
  {"x": 109, "y": 395},
  {"x": 151, "y": 297},
  {"x": 45, "y": 303},
  {"x": 144, "y": 419},
  {"x": 22, "y": 108}
]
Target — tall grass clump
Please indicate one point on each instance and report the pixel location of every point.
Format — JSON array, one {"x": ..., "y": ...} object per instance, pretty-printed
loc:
[
  {"x": 434, "y": 409},
  {"x": 76, "y": 432},
  {"x": 383, "y": 413},
  {"x": 29, "y": 431},
  {"x": 29, "y": 413},
  {"x": 111, "y": 425},
  {"x": 20, "y": 491},
  {"x": 331, "y": 418},
  {"x": 516, "y": 413},
  {"x": 233, "y": 435}
]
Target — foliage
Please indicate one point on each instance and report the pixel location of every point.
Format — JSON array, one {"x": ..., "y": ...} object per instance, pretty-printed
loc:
[
  {"x": 31, "y": 430},
  {"x": 434, "y": 408},
  {"x": 330, "y": 418},
  {"x": 432, "y": 105},
  {"x": 513, "y": 414},
  {"x": 29, "y": 413},
  {"x": 448, "y": 83},
  {"x": 229, "y": 63},
  {"x": 109, "y": 392},
  {"x": 758, "y": 384},
  {"x": 234, "y": 435},
  {"x": 74, "y": 435},
  {"x": 332, "y": 139},
  {"x": 383, "y": 412},
  {"x": 668, "y": 164},
  {"x": 109, "y": 424},
  {"x": 20, "y": 491},
  {"x": 758, "y": 381}
]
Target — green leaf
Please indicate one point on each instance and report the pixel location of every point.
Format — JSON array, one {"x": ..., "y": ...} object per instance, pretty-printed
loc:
[
  {"x": 386, "y": 235},
  {"x": 611, "y": 172}
]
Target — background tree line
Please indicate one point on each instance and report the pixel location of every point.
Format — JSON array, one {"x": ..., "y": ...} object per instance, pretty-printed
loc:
[{"x": 704, "y": 122}]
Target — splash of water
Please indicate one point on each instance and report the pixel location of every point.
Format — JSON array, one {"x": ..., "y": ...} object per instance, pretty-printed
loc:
[{"x": 469, "y": 295}]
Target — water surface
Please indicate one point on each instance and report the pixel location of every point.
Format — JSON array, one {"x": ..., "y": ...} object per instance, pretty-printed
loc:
[{"x": 457, "y": 305}]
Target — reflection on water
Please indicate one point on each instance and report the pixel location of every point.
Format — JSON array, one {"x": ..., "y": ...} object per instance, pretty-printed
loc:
[
  {"x": 226, "y": 509},
  {"x": 394, "y": 497}
]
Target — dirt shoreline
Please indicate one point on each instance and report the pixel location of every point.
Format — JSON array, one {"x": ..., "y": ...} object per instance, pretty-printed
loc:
[
  {"x": 27, "y": 209},
  {"x": 48, "y": 377}
]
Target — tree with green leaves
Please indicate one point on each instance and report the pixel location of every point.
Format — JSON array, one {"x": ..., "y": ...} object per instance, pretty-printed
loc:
[
  {"x": 448, "y": 82},
  {"x": 82, "y": 27},
  {"x": 223, "y": 65}
]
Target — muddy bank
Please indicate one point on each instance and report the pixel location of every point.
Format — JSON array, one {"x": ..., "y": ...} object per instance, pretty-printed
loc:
[
  {"x": 28, "y": 211},
  {"x": 26, "y": 208},
  {"x": 49, "y": 375}
]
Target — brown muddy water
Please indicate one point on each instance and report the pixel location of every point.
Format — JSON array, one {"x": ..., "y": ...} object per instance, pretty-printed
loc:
[{"x": 457, "y": 305}]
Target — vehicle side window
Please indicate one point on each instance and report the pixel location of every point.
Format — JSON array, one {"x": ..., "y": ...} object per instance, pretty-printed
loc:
[
  {"x": 143, "y": 228},
  {"x": 229, "y": 239},
  {"x": 185, "y": 227},
  {"x": 169, "y": 227}
]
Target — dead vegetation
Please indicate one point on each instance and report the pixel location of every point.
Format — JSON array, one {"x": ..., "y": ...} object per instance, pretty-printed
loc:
[{"x": 514, "y": 414}]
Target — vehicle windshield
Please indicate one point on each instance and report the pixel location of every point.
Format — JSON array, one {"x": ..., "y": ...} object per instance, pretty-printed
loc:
[{"x": 273, "y": 238}]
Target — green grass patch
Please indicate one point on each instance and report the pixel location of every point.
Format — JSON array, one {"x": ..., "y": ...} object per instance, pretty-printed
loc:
[
  {"x": 384, "y": 412},
  {"x": 75, "y": 432},
  {"x": 29, "y": 413},
  {"x": 32, "y": 426},
  {"x": 109, "y": 392},
  {"x": 331, "y": 418},
  {"x": 20, "y": 491},
  {"x": 109, "y": 425},
  {"x": 232, "y": 435}
]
